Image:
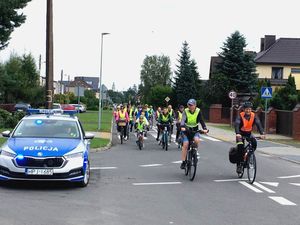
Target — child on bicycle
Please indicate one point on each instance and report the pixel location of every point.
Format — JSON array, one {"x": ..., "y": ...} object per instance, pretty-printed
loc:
[
  {"x": 141, "y": 126},
  {"x": 191, "y": 117},
  {"x": 243, "y": 129},
  {"x": 164, "y": 119}
]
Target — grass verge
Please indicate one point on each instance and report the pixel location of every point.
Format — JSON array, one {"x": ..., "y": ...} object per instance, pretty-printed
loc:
[
  {"x": 99, "y": 142},
  {"x": 89, "y": 120}
]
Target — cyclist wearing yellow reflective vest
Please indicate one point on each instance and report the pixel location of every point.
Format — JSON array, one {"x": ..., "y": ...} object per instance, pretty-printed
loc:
[
  {"x": 130, "y": 111},
  {"x": 172, "y": 114},
  {"x": 191, "y": 117},
  {"x": 243, "y": 128},
  {"x": 122, "y": 116},
  {"x": 164, "y": 119},
  {"x": 178, "y": 120}
]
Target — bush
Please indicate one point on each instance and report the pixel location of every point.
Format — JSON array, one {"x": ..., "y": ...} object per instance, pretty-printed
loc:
[{"x": 7, "y": 120}]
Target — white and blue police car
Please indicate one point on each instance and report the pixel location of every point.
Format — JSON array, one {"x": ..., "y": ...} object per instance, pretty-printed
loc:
[{"x": 46, "y": 146}]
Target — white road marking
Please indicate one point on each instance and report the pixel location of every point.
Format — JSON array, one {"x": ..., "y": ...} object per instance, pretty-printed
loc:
[
  {"x": 282, "y": 200},
  {"x": 250, "y": 187},
  {"x": 103, "y": 168},
  {"x": 264, "y": 188},
  {"x": 177, "y": 162},
  {"x": 151, "y": 165},
  {"x": 210, "y": 138},
  {"x": 296, "y": 184},
  {"x": 286, "y": 177},
  {"x": 274, "y": 184},
  {"x": 157, "y": 183},
  {"x": 228, "y": 180}
]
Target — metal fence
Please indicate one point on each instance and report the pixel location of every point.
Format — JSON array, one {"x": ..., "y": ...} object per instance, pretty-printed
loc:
[{"x": 284, "y": 123}]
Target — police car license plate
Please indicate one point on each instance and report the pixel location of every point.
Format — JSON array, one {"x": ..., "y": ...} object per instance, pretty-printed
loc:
[{"x": 39, "y": 171}]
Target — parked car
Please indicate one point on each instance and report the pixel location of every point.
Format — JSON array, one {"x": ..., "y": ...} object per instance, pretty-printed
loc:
[
  {"x": 57, "y": 108},
  {"x": 81, "y": 108},
  {"x": 21, "y": 106},
  {"x": 45, "y": 146},
  {"x": 68, "y": 107}
]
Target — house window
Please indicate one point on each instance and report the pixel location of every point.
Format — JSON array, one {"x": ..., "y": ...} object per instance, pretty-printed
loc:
[
  {"x": 277, "y": 72},
  {"x": 295, "y": 70}
]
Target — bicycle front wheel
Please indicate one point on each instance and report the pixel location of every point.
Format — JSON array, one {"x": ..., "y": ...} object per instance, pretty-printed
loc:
[
  {"x": 166, "y": 142},
  {"x": 193, "y": 165},
  {"x": 140, "y": 144},
  {"x": 251, "y": 168},
  {"x": 122, "y": 135}
]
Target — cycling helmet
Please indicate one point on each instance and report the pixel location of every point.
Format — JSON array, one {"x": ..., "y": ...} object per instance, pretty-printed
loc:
[
  {"x": 247, "y": 105},
  {"x": 121, "y": 106},
  {"x": 141, "y": 117},
  {"x": 191, "y": 102}
]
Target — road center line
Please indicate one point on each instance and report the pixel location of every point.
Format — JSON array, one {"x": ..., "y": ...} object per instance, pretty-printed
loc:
[
  {"x": 264, "y": 188},
  {"x": 286, "y": 177},
  {"x": 157, "y": 183},
  {"x": 103, "y": 168},
  {"x": 282, "y": 200},
  {"x": 250, "y": 187},
  {"x": 296, "y": 184},
  {"x": 151, "y": 165}
]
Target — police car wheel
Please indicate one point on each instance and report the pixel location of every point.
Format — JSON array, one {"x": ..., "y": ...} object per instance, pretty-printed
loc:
[{"x": 86, "y": 177}]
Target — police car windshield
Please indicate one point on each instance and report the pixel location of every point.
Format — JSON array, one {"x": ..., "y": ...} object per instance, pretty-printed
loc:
[{"x": 49, "y": 128}]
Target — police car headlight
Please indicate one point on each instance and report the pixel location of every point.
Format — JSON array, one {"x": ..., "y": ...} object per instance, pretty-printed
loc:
[
  {"x": 74, "y": 155},
  {"x": 8, "y": 154}
]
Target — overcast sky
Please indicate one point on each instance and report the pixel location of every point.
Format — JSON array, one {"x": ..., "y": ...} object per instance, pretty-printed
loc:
[{"x": 143, "y": 27}]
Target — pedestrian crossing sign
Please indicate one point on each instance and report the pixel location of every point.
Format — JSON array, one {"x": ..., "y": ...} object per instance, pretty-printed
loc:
[{"x": 266, "y": 92}]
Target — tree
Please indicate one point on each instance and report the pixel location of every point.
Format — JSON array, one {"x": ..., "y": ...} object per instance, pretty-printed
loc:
[
  {"x": 158, "y": 94},
  {"x": 20, "y": 80},
  {"x": 187, "y": 79},
  {"x": 10, "y": 18},
  {"x": 155, "y": 70},
  {"x": 236, "y": 70},
  {"x": 286, "y": 98}
]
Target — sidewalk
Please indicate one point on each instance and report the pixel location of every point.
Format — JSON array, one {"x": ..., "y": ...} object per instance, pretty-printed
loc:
[{"x": 284, "y": 151}]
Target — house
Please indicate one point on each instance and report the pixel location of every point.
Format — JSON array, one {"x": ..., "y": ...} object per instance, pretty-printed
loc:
[
  {"x": 93, "y": 81},
  {"x": 278, "y": 59},
  {"x": 78, "y": 87}
]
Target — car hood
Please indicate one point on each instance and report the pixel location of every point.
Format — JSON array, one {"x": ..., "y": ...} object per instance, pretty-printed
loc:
[{"x": 42, "y": 147}]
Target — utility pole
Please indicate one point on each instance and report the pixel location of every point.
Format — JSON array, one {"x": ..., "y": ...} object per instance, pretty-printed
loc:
[{"x": 49, "y": 56}]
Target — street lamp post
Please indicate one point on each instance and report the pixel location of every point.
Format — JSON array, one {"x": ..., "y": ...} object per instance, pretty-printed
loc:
[{"x": 100, "y": 84}]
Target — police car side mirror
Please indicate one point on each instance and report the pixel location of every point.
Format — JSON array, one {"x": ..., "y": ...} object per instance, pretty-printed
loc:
[
  {"x": 6, "y": 133},
  {"x": 89, "y": 136}
]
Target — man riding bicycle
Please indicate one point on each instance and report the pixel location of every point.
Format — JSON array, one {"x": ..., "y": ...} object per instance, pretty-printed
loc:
[
  {"x": 164, "y": 119},
  {"x": 243, "y": 128},
  {"x": 191, "y": 117}
]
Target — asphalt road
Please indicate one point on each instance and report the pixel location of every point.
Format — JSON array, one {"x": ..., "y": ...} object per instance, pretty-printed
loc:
[{"x": 134, "y": 187}]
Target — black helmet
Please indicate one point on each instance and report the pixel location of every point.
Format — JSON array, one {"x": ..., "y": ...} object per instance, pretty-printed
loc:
[{"x": 247, "y": 105}]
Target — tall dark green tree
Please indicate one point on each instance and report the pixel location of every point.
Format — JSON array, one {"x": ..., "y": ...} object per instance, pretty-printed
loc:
[
  {"x": 10, "y": 18},
  {"x": 156, "y": 70},
  {"x": 187, "y": 79},
  {"x": 235, "y": 72}
]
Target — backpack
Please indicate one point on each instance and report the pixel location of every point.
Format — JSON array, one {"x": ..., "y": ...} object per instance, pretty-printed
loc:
[{"x": 234, "y": 155}]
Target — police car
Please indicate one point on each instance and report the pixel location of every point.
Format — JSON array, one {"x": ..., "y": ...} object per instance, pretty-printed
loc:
[{"x": 46, "y": 146}]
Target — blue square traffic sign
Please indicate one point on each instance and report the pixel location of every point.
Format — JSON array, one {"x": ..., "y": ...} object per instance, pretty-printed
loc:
[{"x": 266, "y": 92}]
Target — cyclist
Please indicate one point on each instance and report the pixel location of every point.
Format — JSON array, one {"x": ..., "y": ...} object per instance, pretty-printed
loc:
[
  {"x": 178, "y": 120},
  {"x": 191, "y": 117},
  {"x": 164, "y": 119},
  {"x": 122, "y": 116},
  {"x": 172, "y": 114},
  {"x": 243, "y": 128},
  {"x": 157, "y": 113},
  {"x": 130, "y": 111},
  {"x": 141, "y": 125}
]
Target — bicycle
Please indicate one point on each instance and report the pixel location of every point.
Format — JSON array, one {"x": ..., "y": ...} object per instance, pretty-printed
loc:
[
  {"x": 164, "y": 137},
  {"x": 140, "y": 139},
  {"x": 122, "y": 125},
  {"x": 249, "y": 162},
  {"x": 192, "y": 156}
]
